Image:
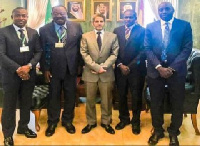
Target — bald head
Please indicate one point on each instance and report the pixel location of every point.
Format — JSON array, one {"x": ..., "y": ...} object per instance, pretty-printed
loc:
[{"x": 165, "y": 11}]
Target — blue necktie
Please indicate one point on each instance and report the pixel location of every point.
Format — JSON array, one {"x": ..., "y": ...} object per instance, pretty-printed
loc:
[{"x": 165, "y": 42}]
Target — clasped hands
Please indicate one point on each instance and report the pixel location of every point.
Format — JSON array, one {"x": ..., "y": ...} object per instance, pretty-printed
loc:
[
  {"x": 23, "y": 72},
  {"x": 165, "y": 72},
  {"x": 101, "y": 70},
  {"x": 124, "y": 69}
]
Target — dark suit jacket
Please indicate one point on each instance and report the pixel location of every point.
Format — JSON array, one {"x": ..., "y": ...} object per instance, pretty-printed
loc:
[
  {"x": 10, "y": 56},
  {"x": 59, "y": 60},
  {"x": 178, "y": 50},
  {"x": 131, "y": 52}
]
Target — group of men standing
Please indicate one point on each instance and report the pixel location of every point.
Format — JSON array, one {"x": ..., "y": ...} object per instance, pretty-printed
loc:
[{"x": 167, "y": 43}]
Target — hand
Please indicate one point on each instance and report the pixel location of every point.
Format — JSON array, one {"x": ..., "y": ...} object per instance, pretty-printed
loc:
[
  {"x": 25, "y": 77},
  {"x": 165, "y": 72},
  {"x": 23, "y": 72},
  {"x": 24, "y": 69},
  {"x": 101, "y": 70},
  {"x": 47, "y": 76},
  {"x": 124, "y": 69},
  {"x": 94, "y": 72}
]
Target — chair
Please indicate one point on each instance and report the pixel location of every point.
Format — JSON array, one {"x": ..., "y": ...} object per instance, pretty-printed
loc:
[{"x": 40, "y": 96}]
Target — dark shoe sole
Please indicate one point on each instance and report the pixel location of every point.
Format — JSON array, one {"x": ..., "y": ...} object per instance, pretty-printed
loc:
[
  {"x": 34, "y": 136},
  {"x": 154, "y": 143},
  {"x": 69, "y": 131},
  {"x": 92, "y": 126}
]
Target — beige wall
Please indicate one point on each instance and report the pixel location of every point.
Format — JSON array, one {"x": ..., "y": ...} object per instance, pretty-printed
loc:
[
  {"x": 8, "y": 6},
  {"x": 189, "y": 10}
]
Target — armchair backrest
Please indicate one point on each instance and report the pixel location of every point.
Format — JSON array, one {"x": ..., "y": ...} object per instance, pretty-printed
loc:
[{"x": 193, "y": 64}]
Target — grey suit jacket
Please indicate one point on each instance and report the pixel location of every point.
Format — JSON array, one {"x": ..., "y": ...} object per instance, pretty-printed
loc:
[
  {"x": 94, "y": 58},
  {"x": 10, "y": 56}
]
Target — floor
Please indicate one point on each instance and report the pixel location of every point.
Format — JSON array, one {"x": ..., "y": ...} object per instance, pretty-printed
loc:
[{"x": 98, "y": 136}]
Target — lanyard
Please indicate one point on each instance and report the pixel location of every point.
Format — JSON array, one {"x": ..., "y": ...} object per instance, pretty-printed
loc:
[
  {"x": 23, "y": 41},
  {"x": 60, "y": 37}
]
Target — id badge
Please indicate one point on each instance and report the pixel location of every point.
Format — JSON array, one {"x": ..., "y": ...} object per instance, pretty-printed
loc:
[
  {"x": 24, "y": 49},
  {"x": 59, "y": 45}
]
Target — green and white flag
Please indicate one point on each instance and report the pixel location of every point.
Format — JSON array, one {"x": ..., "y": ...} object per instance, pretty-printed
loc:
[{"x": 48, "y": 17}]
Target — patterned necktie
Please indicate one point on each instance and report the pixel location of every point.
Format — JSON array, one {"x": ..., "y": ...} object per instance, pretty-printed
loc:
[
  {"x": 99, "y": 40},
  {"x": 22, "y": 37},
  {"x": 127, "y": 33},
  {"x": 62, "y": 33},
  {"x": 165, "y": 42}
]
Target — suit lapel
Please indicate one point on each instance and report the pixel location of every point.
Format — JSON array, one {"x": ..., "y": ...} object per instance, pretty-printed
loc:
[
  {"x": 122, "y": 33},
  {"x": 173, "y": 30},
  {"x": 53, "y": 31},
  {"x": 132, "y": 35},
  {"x": 105, "y": 39},
  {"x": 159, "y": 31},
  {"x": 14, "y": 35},
  {"x": 69, "y": 33},
  {"x": 94, "y": 40},
  {"x": 29, "y": 35}
]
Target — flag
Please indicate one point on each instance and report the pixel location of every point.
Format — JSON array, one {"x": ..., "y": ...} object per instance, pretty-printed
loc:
[
  {"x": 48, "y": 17},
  {"x": 141, "y": 12}
]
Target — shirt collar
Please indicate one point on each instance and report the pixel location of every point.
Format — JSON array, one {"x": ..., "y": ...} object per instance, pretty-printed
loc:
[
  {"x": 58, "y": 26},
  {"x": 18, "y": 28},
  {"x": 130, "y": 27},
  {"x": 102, "y": 31},
  {"x": 170, "y": 22}
]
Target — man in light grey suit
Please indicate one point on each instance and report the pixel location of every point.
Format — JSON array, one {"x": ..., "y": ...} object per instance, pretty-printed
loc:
[{"x": 99, "y": 50}]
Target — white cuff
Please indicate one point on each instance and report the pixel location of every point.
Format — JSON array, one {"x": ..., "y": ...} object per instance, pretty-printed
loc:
[
  {"x": 118, "y": 65},
  {"x": 157, "y": 66}
]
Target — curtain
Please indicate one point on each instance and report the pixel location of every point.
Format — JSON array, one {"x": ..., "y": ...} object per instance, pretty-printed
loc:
[
  {"x": 36, "y": 12},
  {"x": 154, "y": 6}
]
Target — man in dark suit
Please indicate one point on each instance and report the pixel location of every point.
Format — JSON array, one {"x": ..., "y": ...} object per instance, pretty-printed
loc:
[
  {"x": 168, "y": 44},
  {"x": 19, "y": 53},
  {"x": 60, "y": 41},
  {"x": 130, "y": 70}
]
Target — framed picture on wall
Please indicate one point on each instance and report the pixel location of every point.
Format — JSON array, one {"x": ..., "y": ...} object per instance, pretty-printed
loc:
[
  {"x": 75, "y": 10},
  {"x": 103, "y": 7},
  {"x": 123, "y": 5}
]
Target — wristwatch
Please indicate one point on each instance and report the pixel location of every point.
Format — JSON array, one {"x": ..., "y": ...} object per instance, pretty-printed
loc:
[{"x": 30, "y": 65}]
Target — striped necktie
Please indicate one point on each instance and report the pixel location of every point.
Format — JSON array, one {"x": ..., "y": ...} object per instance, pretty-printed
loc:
[
  {"x": 22, "y": 37},
  {"x": 127, "y": 33}
]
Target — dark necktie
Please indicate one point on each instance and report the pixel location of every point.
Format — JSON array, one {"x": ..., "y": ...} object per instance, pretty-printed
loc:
[
  {"x": 22, "y": 37},
  {"x": 165, "y": 42},
  {"x": 99, "y": 40}
]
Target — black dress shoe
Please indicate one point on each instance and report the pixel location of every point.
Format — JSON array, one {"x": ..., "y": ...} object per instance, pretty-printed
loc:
[
  {"x": 27, "y": 132},
  {"x": 121, "y": 125},
  {"x": 8, "y": 141},
  {"x": 153, "y": 140},
  {"x": 50, "y": 130},
  {"x": 69, "y": 127},
  {"x": 173, "y": 141},
  {"x": 136, "y": 129},
  {"x": 108, "y": 128},
  {"x": 88, "y": 128}
]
